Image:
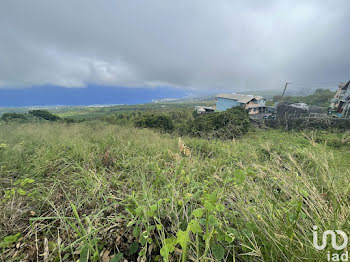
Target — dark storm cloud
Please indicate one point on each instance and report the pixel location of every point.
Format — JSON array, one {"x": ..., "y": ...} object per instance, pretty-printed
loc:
[{"x": 191, "y": 44}]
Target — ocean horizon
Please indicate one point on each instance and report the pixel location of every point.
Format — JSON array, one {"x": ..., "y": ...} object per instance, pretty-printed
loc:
[{"x": 92, "y": 95}]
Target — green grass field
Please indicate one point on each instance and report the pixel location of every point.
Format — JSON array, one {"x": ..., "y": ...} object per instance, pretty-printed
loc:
[
  {"x": 94, "y": 112},
  {"x": 98, "y": 192}
]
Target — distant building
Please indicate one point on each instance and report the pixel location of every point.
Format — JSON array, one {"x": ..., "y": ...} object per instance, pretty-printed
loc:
[
  {"x": 164, "y": 100},
  {"x": 301, "y": 106},
  {"x": 254, "y": 104},
  {"x": 204, "y": 109},
  {"x": 340, "y": 105}
]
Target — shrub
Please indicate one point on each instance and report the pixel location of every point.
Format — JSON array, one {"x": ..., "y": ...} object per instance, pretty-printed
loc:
[
  {"x": 69, "y": 120},
  {"x": 224, "y": 125},
  {"x": 44, "y": 115},
  {"x": 162, "y": 122},
  {"x": 13, "y": 116}
]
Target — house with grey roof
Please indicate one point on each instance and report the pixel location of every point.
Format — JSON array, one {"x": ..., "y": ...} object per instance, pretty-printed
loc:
[
  {"x": 340, "y": 105},
  {"x": 204, "y": 109},
  {"x": 254, "y": 104}
]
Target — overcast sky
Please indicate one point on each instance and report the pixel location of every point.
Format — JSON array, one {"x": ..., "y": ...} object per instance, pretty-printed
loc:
[{"x": 189, "y": 44}]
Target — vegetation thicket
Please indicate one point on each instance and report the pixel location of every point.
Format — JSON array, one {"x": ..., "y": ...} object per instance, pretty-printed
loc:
[
  {"x": 32, "y": 115},
  {"x": 162, "y": 122},
  {"x": 13, "y": 116},
  {"x": 222, "y": 125},
  {"x": 44, "y": 114},
  {"x": 228, "y": 124}
]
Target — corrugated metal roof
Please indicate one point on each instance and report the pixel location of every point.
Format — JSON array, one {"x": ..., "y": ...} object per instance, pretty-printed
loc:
[
  {"x": 346, "y": 85},
  {"x": 258, "y": 97},
  {"x": 240, "y": 98}
]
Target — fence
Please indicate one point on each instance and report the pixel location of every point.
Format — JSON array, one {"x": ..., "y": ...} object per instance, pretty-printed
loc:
[{"x": 306, "y": 123}]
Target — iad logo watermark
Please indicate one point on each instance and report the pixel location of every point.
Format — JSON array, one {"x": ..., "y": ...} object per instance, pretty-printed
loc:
[{"x": 333, "y": 233}]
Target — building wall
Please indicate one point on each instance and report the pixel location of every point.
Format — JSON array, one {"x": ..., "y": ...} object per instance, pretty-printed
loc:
[
  {"x": 223, "y": 104},
  {"x": 253, "y": 111}
]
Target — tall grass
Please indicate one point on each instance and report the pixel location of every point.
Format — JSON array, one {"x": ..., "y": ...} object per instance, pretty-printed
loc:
[{"x": 99, "y": 192}]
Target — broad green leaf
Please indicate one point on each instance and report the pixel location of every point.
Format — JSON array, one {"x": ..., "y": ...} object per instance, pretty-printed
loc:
[
  {"x": 203, "y": 221},
  {"x": 220, "y": 207},
  {"x": 212, "y": 221},
  {"x": 23, "y": 182},
  {"x": 136, "y": 232},
  {"x": 197, "y": 213},
  {"x": 133, "y": 248},
  {"x": 229, "y": 237},
  {"x": 218, "y": 251},
  {"x": 154, "y": 208},
  {"x": 84, "y": 254},
  {"x": 21, "y": 192},
  {"x": 117, "y": 257},
  {"x": 151, "y": 228},
  {"x": 220, "y": 236},
  {"x": 182, "y": 238},
  {"x": 171, "y": 243},
  {"x": 212, "y": 197},
  {"x": 143, "y": 240},
  {"x": 138, "y": 210},
  {"x": 8, "y": 240},
  {"x": 232, "y": 231},
  {"x": 164, "y": 252},
  {"x": 194, "y": 226},
  {"x": 150, "y": 213},
  {"x": 169, "y": 247},
  {"x": 209, "y": 205}
]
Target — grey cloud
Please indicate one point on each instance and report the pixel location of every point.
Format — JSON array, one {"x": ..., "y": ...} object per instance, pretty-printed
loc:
[{"x": 191, "y": 44}]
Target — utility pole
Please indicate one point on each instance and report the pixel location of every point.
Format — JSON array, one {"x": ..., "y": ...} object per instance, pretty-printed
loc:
[{"x": 284, "y": 91}]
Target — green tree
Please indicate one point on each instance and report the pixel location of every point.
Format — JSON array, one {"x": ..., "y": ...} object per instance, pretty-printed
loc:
[{"x": 44, "y": 115}]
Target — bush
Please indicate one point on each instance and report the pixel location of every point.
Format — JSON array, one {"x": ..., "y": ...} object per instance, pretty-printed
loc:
[
  {"x": 224, "y": 125},
  {"x": 13, "y": 116},
  {"x": 70, "y": 120},
  {"x": 162, "y": 122},
  {"x": 308, "y": 123},
  {"x": 44, "y": 115}
]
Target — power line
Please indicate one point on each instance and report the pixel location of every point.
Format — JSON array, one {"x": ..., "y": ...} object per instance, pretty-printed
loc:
[
  {"x": 306, "y": 85},
  {"x": 320, "y": 83},
  {"x": 312, "y": 86}
]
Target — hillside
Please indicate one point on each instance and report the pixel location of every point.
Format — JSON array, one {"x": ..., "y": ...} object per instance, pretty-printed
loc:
[
  {"x": 105, "y": 191},
  {"x": 94, "y": 112}
]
